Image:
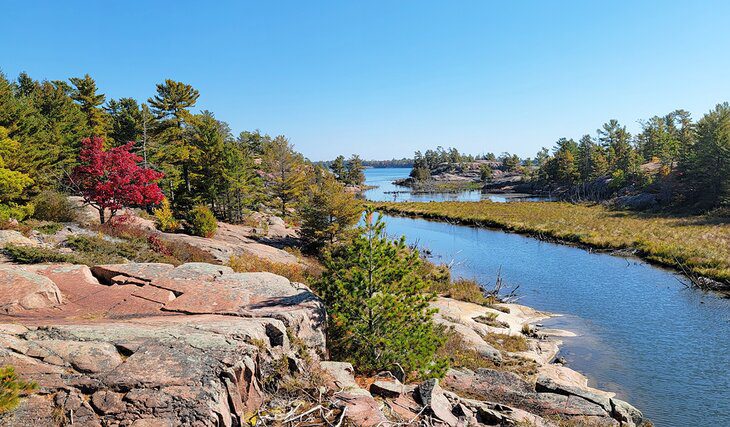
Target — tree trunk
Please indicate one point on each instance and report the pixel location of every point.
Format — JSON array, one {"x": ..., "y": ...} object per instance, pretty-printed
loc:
[{"x": 101, "y": 215}]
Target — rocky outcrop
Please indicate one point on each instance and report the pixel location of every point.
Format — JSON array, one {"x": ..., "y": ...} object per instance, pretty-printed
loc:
[
  {"x": 554, "y": 391},
  {"x": 150, "y": 344}
]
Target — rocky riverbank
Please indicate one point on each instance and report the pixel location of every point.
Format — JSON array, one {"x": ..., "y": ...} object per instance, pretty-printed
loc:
[{"x": 153, "y": 344}]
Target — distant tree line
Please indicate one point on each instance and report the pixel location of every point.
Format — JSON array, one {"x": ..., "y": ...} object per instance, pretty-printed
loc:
[
  {"x": 690, "y": 160},
  {"x": 450, "y": 159}
]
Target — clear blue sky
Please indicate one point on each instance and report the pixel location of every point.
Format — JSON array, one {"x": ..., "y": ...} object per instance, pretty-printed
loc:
[{"x": 384, "y": 78}]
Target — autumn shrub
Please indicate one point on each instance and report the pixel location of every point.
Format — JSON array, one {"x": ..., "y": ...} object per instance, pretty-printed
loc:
[
  {"x": 123, "y": 227},
  {"x": 53, "y": 206},
  {"x": 201, "y": 222},
  {"x": 490, "y": 319},
  {"x": 12, "y": 388},
  {"x": 164, "y": 217}
]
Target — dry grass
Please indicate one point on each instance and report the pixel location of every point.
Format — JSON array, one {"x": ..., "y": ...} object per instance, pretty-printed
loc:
[
  {"x": 294, "y": 272},
  {"x": 462, "y": 355},
  {"x": 507, "y": 343},
  {"x": 700, "y": 244},
  {"x": 490, "y": 319}
]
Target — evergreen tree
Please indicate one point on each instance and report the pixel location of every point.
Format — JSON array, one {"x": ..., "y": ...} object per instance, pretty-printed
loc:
[
  {"x": 285, "y": 173},
  {"x": 173, "y": 151},
  {"x": 208, "y": 176},
  {"x": 379, "y": 311},
  {"x": 355, "y": 174},
  {"x": 707, "y": 168},
  {"x": 243, "y": 185},
  {"x": 61, "y": 129},
  {"x": 616, "y": 141},
  {"x": 254, "y": 142},
  {"x": 338, "y": 168},
  {"x": 13, "y": 184},
  {"x": 420, "y": 171},
  {"x": 486, "y": 173},
  {"x": 84, "y": 93},
  {"x": 329, "y": 212},
  {"x": 126, "y": 120}
]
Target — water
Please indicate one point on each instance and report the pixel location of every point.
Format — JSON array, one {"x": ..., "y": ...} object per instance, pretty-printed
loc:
[
  {"x": 386, "y": 191},
  {"x": 641, "y": 334}
]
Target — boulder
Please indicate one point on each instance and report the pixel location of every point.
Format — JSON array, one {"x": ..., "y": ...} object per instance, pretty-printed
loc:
[
  {"x": 546, "y": 384},
  {"x": 626, "y": 414},
  {"x": 12, "y": 237},
  {"x": 25, "y": 290}
]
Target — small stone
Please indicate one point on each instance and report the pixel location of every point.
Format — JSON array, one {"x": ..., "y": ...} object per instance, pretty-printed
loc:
[{"x": 387, "y": 388}]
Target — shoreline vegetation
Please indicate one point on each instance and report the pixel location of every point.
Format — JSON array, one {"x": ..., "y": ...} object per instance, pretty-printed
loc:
[{"x": 698, "y": 246}]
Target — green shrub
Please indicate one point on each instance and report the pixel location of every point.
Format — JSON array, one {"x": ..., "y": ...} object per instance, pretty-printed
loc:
[
  {"x": 378, "y": 306},
  {"x": 165, "y": 218},
  {"x": 53, "y": 206},
  {"x": 11, "y": 388},
  {"x": 202, "y": 222},
  {"x": 14, "y": 211},
  {"x": 96, "y": 250},
  {"x": 48, "y": 228},
  {"x": 36, "y": 255}
]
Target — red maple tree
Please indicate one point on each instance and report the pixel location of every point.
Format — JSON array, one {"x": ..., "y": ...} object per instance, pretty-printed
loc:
[{"x": 112, "y": 179}]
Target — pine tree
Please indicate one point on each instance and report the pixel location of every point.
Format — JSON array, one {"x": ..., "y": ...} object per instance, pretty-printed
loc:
[
  {"x": 338, "y": 168},
  {"x": 208, "y": 137},
  {"x": 254, "y": 142},
  {"x": 285, "y": 173},
  {"x": 13, "y": 183},
  {"x": 173, "y": 151},
  {"x": 329, "y": 211},
  {"x": 707, "y": 168},
  {"x": 126, "y": 120},
  {"x": 355, "y": 174},
  {"x": 84, "y": 93},
  {"x": 243, "y": 185},
  {"x": 616, "y": 141},
  {"x": 379, "y": 312}
]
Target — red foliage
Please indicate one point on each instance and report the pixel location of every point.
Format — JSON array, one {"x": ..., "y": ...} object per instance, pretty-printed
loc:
[{"x": 112, "y": 179}]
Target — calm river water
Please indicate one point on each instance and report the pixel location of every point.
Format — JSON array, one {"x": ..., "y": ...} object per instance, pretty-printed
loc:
[{"x": 641, "y": 334}]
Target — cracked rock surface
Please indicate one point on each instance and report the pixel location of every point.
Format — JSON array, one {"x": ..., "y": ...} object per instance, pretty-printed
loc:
[{"x": 148, "y": 344}]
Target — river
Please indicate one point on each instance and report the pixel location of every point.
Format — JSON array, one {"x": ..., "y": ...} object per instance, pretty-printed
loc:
[{"x": 660, "y": 346}]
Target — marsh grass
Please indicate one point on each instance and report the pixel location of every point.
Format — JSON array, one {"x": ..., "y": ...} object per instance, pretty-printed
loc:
[{"x": 697, "y": 244}]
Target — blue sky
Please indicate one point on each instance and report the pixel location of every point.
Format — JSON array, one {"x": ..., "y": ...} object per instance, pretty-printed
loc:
[{"x": 384, "y": 78}]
